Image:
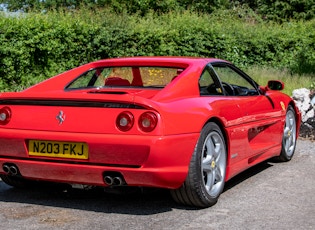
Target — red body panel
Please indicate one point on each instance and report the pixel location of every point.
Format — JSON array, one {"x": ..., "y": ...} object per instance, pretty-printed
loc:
[
  {"x": 132, "y": 155},
  {"x": 253, "y": 127}
]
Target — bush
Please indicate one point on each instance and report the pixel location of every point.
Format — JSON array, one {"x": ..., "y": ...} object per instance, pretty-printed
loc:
[
  {"x": 38, "y": 46},
  {"x": 283, "y": 10}
]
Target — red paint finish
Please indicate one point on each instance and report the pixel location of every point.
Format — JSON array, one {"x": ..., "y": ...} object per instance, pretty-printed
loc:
[{"x": 163, "y": 122}]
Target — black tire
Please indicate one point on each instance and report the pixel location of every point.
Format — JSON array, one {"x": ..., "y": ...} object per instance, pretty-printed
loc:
[
  {"x": 289, "y": 136},
  {"x": 206, "y": 176},
  {"x": 13, "y": 181}
]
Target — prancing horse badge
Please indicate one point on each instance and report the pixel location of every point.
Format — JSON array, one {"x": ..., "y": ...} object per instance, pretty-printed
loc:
[{"x": 61, "y": 117}]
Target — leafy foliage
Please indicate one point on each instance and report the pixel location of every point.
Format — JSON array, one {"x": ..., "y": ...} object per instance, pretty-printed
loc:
[
  {"x": 36, "y": 46},
  {"x": 283, "y": 10},
  {"x": 277, "y": 10}
]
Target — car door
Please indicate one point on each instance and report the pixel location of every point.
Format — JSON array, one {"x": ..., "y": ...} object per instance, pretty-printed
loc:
[
  {"x": 260, "y": 120},
  {"x": 228, "y": 109}
]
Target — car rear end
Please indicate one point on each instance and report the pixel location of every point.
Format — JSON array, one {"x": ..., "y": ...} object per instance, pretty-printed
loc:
[
  {"x": 93, "y": 135},
  {"x": 96, "y": 143}
]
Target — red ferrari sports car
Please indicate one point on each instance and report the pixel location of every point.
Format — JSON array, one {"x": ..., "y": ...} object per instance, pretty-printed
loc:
[{"x": 185, "y": 124}]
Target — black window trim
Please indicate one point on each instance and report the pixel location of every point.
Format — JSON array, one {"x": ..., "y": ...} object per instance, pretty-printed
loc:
[{"x": 237, "y": 70}]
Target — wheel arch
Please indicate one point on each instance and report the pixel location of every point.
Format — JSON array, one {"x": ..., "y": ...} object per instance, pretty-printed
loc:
[{"x": 220, "y": 123}]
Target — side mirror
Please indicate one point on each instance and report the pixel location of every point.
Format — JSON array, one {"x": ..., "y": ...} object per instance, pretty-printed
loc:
[{"x": 275, "y": 85}]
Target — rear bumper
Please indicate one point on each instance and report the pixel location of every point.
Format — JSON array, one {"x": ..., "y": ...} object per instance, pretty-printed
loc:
[{"x": 150, "y": 161}]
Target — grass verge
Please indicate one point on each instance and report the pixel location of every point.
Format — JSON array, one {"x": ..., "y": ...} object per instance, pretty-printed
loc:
[{"x": 291, "y": 81}]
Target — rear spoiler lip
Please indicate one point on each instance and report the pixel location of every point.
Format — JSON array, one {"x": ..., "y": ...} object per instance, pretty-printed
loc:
[{"x": 72, "y": 103}]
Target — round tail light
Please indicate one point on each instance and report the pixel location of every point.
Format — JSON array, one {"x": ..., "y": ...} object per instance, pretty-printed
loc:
[
  {"x": 147, "y": 121},
  {"x": 5, "y": 115},
  {"x": 124, "y": 121}
]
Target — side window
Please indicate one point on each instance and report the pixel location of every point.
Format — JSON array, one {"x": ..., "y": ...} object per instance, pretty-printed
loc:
[
  {"x": 86, "y": 80},
  {"x": 233, "y": 82},
  {"x": 207, "y": 84}
]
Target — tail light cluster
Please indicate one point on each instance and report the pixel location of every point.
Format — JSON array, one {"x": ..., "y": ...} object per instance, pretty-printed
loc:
[
  {"x": 146, "y": 122},
  {"x": 125, "y": 121},
  {"x": 5, "y": 115}
]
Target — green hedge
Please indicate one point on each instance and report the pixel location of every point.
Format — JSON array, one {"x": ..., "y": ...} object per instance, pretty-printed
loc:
[
  {"x": 275, "y": 10},
  {"x": 37, "y": 46}
]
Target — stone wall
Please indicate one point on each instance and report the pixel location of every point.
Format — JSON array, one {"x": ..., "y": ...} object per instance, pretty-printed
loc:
[{"x": 305, "y": 100}]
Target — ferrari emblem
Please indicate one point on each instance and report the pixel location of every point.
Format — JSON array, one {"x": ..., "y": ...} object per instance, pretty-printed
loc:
[
  {"x": 289, "y": 134},
  {"x": 282, "y": 105},
  {"x": 61, "y": 117}
]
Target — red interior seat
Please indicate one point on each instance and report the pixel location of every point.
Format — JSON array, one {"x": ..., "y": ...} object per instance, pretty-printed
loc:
[{"x": 116, "y": 81}]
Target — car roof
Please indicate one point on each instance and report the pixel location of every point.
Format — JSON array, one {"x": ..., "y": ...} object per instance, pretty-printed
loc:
[
  {"x": 58, "y": 82},
  {"x": 153, "y": 60}
]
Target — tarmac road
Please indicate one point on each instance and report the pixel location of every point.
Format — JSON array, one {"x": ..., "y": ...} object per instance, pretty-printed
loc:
[{"x": 268, "y": 196}]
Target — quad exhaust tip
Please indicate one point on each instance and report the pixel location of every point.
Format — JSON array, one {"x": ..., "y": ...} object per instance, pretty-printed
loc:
[
  {"x": 114, "y": 179},
  {"x": 11, "y": 169}
]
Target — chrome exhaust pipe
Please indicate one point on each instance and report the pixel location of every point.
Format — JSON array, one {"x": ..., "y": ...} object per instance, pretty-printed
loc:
[
  {"x": 14, "y": 170},
  {"x": 117, "y": 181},
  {"x": 108, "y": 180},
  {"x": 113, "y": 178},
  {"x": 6, "y": 168}
]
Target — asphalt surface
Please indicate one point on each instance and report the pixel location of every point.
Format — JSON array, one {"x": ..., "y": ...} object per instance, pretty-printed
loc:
[{"x": 268, "y": 196}]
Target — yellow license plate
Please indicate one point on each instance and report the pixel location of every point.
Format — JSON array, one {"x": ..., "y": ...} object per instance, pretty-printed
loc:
[{"x": 74, "y": 150}]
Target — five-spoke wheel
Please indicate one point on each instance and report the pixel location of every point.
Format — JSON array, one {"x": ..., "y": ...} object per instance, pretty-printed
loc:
[
  {"x": 206, "y": 176},
  {"x": 289, "y": 136},
  {"x": 213, "y": 163}
]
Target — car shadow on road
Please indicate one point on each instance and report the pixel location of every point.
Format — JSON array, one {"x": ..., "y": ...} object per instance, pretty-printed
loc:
[
  {"x": 134, "y": 201},
  {"x": 247, "y": 174}
]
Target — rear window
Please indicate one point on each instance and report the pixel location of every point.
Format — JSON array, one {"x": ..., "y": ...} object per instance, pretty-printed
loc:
[{"x": 157, "y": 77}]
